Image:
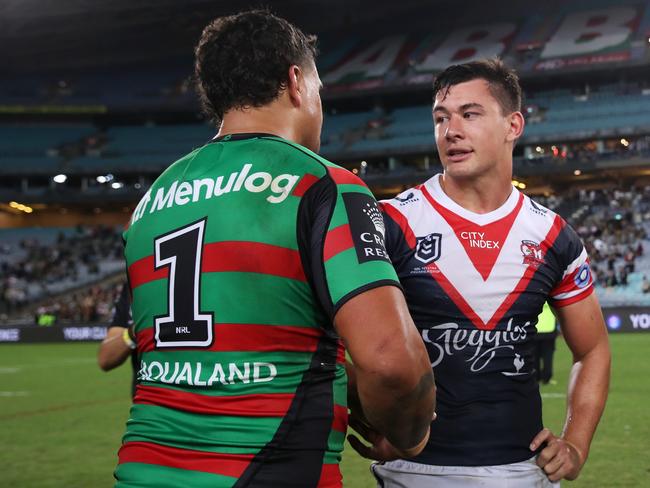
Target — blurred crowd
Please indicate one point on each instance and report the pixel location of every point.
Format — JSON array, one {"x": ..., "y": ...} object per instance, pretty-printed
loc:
[
  {"x": 585, "y": 152},
  {"x": 613, "y": 225},
  {"x": 93, "y": 304},
  {"x": 36, "y": 265}
]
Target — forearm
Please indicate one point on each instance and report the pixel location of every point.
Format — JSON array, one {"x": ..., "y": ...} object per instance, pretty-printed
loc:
[
  {"x": 399, "y": 407},
  {"x": 392, "y": 372},
  {"x": 587, "y": 394},
  {"x": 113, "y": 350}
]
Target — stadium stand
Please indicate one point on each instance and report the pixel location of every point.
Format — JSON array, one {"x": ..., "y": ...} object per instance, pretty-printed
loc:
[
  {"x": 615, "y": 225},
  {"x": 92, "y": 304},
  {"x": 555, "y": 115},
  {"x": 112, "y": 128},
  {"x": 37, "y": 263},
  {"x": 610, "y": 110}
]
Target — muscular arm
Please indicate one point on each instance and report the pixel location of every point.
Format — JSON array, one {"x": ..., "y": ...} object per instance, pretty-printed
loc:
[
  {"x": 392, "y": 372},
  {"x": 113, "y": 351},
  {"x": 585, "y": 333}
]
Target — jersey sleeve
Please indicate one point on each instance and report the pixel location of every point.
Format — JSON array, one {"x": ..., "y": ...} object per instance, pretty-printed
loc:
[
  {"x": 400, "y": 240},
  {"x": 342, "y": 240},
  {"x": 122, "y": 309},
  {"x": 576, "y": 282}
]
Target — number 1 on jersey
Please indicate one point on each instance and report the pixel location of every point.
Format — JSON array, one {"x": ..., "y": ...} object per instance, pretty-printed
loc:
[{"x": 184, "y": 325}]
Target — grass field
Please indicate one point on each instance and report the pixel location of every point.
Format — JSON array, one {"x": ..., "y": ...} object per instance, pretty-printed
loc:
[{"x": 61, "y": 418}]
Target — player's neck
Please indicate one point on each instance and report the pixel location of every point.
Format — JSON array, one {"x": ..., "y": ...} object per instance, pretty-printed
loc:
[
  {"x": 263, "y": 120},
  {"x": 478, "y": 195}
]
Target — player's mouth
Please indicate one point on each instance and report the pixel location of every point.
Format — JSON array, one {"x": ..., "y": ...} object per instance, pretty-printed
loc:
[{"x": 457, "y": 155}]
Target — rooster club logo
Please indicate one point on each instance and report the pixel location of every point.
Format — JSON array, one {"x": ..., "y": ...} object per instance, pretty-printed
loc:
[
  {"x": 533, "y": 253},
  {"x": 428, "y": 248},
  {"x": 366, "y": 226}
]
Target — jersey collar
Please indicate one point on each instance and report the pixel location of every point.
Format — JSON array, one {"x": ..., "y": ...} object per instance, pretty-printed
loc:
[
  {"x": 241, "y": 136},
  {"x": 433, "y": 187}
]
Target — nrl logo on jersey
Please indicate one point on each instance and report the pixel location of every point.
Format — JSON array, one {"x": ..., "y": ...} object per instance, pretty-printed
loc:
[
  {"x": 532, "y": 252},
  {"x": 428, "y": 248}
]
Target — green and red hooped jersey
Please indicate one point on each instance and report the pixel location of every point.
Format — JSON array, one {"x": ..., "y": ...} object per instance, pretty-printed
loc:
[{"x": 238, "y": 257}]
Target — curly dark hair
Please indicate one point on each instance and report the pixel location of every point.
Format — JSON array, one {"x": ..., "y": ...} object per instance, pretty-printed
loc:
[
  {"x": 243, "y": 60},
  {"x": 503, "y": 82}
]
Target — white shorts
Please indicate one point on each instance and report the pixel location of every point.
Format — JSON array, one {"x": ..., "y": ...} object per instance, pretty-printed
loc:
[{"x": 406, "y": 474}]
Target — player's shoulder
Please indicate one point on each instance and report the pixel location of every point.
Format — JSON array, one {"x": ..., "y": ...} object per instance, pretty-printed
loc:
[
  {"x": 565, "y": 238},
  {"x": 305, "y": 158},
  {"x": 339, "y": 174},
  {"x": 318, "y": 177},
  {"x": 178, "y": 167},
  {"x": 406, "y": 202},
  {"x": 535, "y": 211}
]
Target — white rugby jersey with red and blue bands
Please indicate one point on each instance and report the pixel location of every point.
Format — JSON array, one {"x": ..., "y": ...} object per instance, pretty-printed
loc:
[{"x": 475, "y": 285}]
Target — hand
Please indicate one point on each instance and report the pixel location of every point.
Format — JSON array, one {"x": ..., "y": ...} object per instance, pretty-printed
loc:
[
  {"x": 380, "y": 448},
  {"x": 560, "y": 458}
]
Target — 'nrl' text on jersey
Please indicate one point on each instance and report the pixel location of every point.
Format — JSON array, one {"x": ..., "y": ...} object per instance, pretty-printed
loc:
[{"x": 475, "y": 284}]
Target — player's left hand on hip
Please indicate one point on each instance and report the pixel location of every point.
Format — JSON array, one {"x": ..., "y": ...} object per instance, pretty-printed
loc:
[{"x": 560, "y": 459}]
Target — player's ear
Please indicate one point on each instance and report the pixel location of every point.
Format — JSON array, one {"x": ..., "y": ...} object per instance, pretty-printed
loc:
[
  {"x": 294, "y": 85},
  {"x": 516, "y": 126}
]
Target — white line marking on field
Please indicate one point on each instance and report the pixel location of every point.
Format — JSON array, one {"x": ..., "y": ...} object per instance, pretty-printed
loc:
[
  {"x": 9, "y": 370},
  {"x": 553, "y": 395},
  {"x": 11, "y": 394},
  {"x": 50, "y": 364}
]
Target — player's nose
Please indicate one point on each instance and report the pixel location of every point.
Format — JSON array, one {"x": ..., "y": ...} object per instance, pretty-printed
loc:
[{"x": 454, "y": 129}]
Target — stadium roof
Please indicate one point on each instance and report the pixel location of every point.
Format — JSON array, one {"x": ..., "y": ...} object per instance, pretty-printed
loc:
[{"x": 39, "y": 35}]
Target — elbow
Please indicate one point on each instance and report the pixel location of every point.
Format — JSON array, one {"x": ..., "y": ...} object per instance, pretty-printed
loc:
[
  {"x": 406, "y": 378},
  {"x": 406, "y": 366}
]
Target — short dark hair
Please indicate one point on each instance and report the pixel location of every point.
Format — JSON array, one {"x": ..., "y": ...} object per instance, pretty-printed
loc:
[
  {"x": 503, "y": 82},
  {"x": 243, "y": 60}
]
